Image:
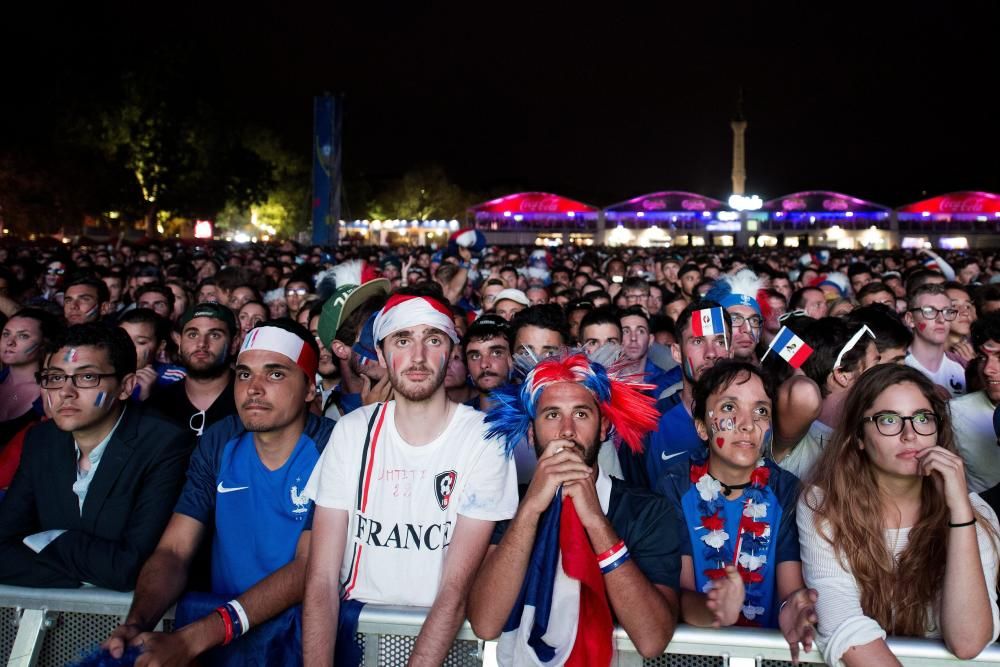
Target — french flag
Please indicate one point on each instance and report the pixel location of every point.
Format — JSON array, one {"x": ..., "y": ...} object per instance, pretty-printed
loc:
[
  {"x": 789, "y": 347},
  {"x": 708, "y": 322},
  {"x": 561, "y": 616}
]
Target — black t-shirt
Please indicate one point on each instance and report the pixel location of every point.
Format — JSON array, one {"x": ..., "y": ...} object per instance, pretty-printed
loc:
[
  {"x": 648, "y": 524},
  {"x": 172, "y": 401}
]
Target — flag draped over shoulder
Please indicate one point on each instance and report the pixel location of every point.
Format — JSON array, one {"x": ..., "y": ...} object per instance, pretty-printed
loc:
[{"x": 561, "y": 616}]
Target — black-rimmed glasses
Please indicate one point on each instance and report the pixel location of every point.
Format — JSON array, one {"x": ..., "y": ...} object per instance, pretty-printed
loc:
[
  {"x": 79, "y": 380},
  {"x": 891, "y": 423},
  {"x": 931, "y": 313},
  {"x": 755, "y": 321}
]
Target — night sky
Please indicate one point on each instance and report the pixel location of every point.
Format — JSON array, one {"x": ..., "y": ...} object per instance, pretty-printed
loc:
[{"x": 595, "y": 104}]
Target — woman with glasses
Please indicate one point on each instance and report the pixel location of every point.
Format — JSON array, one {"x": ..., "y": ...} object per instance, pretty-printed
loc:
[{"x": 890, "y": 536}]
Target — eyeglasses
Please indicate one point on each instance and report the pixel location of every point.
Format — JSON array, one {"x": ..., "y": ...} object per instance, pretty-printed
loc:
[
  {"x": 931, "y": 313},
  {"x": 300, "y": 291},
  {"x": 790, "y": 314},
  {"x": 56, "y": 272},
  {"x": 755, "y": 321},
  {"x": 891, "y": 423},
  {"x": 637, "y": 295},
  {"x": 200, "y": 417},
  {"x": 851, "y": 343},
  {"x": 79, "y": 380}
]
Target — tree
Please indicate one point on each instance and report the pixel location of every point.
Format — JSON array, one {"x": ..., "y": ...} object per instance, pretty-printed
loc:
[
  {"x": 421, "y": 194},
  {"x": 180, "y": 156}
]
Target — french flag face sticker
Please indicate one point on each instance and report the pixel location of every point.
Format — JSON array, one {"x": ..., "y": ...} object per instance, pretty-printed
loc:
[
  {"x": 790, "y": 347},
  {"x": 708, "y": 322}
]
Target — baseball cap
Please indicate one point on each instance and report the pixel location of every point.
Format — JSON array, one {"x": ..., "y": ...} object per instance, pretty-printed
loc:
[
  {"x": 515, "y": 295},
  {"x": 211, "y": 309},
  {"x": 344, "y": 301}
]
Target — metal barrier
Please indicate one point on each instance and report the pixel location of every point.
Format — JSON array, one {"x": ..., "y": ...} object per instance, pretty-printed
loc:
[{"x": 55, "y": 626}]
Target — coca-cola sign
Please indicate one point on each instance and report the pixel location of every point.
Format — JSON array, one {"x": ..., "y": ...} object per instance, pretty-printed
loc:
[
  {"x": 693, "y": 205},
  {"x": 540, "y": 205},
  {"x": 654, "y": 204},
  {"x": 965, "y": 205},
  {"x": 794, "y": 204},
  {"x": 835, "y": 205}
]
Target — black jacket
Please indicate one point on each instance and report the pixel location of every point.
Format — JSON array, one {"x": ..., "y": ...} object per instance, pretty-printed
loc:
[{"x": 128, "y": 504}]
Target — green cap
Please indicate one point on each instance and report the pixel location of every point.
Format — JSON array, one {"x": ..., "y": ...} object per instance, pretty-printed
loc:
[
  {"x": 211, "y": 309},
  {"x": 344, "y": 301}
]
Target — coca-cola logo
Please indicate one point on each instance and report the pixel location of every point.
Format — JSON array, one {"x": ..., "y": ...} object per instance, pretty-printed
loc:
[
  {"x": 693, "y": 205},
  {"x": 794, "y": 204},
  {"x": 967, "y": 205},
  {"x": 834, "y": 205},
  {"x": 540, "y": 205},
  {"x": 654, "y": 204}
]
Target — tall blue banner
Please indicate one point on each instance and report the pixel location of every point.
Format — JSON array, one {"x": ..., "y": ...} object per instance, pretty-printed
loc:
[{"x": 326, "y": 170}]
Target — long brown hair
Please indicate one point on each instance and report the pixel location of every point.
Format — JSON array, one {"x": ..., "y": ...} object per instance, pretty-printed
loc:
[{"x": 895, "y": 594}]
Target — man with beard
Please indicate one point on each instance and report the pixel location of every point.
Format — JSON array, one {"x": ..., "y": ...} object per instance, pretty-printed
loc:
[
  {"x": 244, "y": 491},
  {"x": 205, "y": 396},
  {"x": 487, "y": 356},
  {"x": 407, "y": 493},
  {"x": 696, "y": 351},
  {"x": 569, "y": 408}
]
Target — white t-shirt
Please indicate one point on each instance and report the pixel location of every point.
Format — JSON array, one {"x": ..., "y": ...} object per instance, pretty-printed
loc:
[
  {"x": 404, "y": 501},
  {"x": 949, "y": 375},
  {"x": 972, "y": 422},
  {"x": 802, "y": 458},
  {"x": 842, "y": 621}
]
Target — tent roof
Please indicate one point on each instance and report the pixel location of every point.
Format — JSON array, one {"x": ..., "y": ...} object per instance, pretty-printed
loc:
[
  {"x": 668, "y": 201},
  {"x": 532, "y": 203},
  {"x": 822, "y": 201},
  {"x": 957, "y": 203}
]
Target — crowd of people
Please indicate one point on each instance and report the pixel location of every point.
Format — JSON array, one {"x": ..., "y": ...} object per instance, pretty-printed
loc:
[{"x": 545, "y": 442}]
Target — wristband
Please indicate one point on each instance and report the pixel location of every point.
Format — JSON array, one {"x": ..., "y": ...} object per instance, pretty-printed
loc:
[
  {"x": 621, "y": 560},
  {"x": 618, "y": 545},
  {"x": 615, "y": 559},
  {"x": 241, "y": 614},
  {"x": 234, "y": 617},
  {"x": 227, "y": 621},
  {"x": 962, "y": 525}
]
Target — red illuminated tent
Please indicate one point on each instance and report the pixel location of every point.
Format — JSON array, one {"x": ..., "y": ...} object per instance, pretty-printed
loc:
[{"x": 954, "y": 204}]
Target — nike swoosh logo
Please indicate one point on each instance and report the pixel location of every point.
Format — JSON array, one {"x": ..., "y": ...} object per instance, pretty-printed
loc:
[
  {"x": 222, "y": 489},
  {"x": 665, "y": 457}
]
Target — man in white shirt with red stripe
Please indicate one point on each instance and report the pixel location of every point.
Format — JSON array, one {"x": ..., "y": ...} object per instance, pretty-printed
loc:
[{"x": 406, "y": 496}]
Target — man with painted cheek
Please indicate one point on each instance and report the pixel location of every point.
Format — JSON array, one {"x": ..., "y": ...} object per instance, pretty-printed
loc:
[
  {"x": 418, "y": 503},
  {"x": 929, "y": 314},
  {"x": 244, "y": 495},
  {"x": 206, "y": 344},
  {"x": 86, "y": 300},
  {"x": 703, "y": 330},
  {"x": 95, "y": 483}
]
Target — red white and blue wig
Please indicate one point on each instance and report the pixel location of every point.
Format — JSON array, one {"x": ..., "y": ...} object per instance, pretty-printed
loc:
[{"x": 619, "y": 396}]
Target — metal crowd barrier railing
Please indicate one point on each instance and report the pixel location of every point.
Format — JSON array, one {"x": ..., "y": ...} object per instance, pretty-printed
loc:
[{"x": 55, "y": 626}]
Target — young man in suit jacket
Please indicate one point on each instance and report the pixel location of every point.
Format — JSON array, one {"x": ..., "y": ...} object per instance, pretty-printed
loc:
[{"x": 97, "y": 481}]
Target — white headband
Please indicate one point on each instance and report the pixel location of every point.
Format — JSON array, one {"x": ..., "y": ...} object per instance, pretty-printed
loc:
[
  {"x": 275, "y": 339},
  {"x": 404, "y": 311}
]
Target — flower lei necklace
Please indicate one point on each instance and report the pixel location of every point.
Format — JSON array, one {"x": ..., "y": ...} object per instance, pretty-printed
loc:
[{"x": 750, "y": 553}]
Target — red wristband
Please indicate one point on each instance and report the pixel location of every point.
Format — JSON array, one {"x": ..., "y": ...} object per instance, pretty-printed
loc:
[
  {"x": 228, "y": 623},
  {"x": 616, "y": 547}
]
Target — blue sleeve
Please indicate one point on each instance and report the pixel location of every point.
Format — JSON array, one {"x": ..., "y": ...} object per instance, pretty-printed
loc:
[
  {"x": 198, "y": 496},
  {"x": 787, "y": 491}
]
